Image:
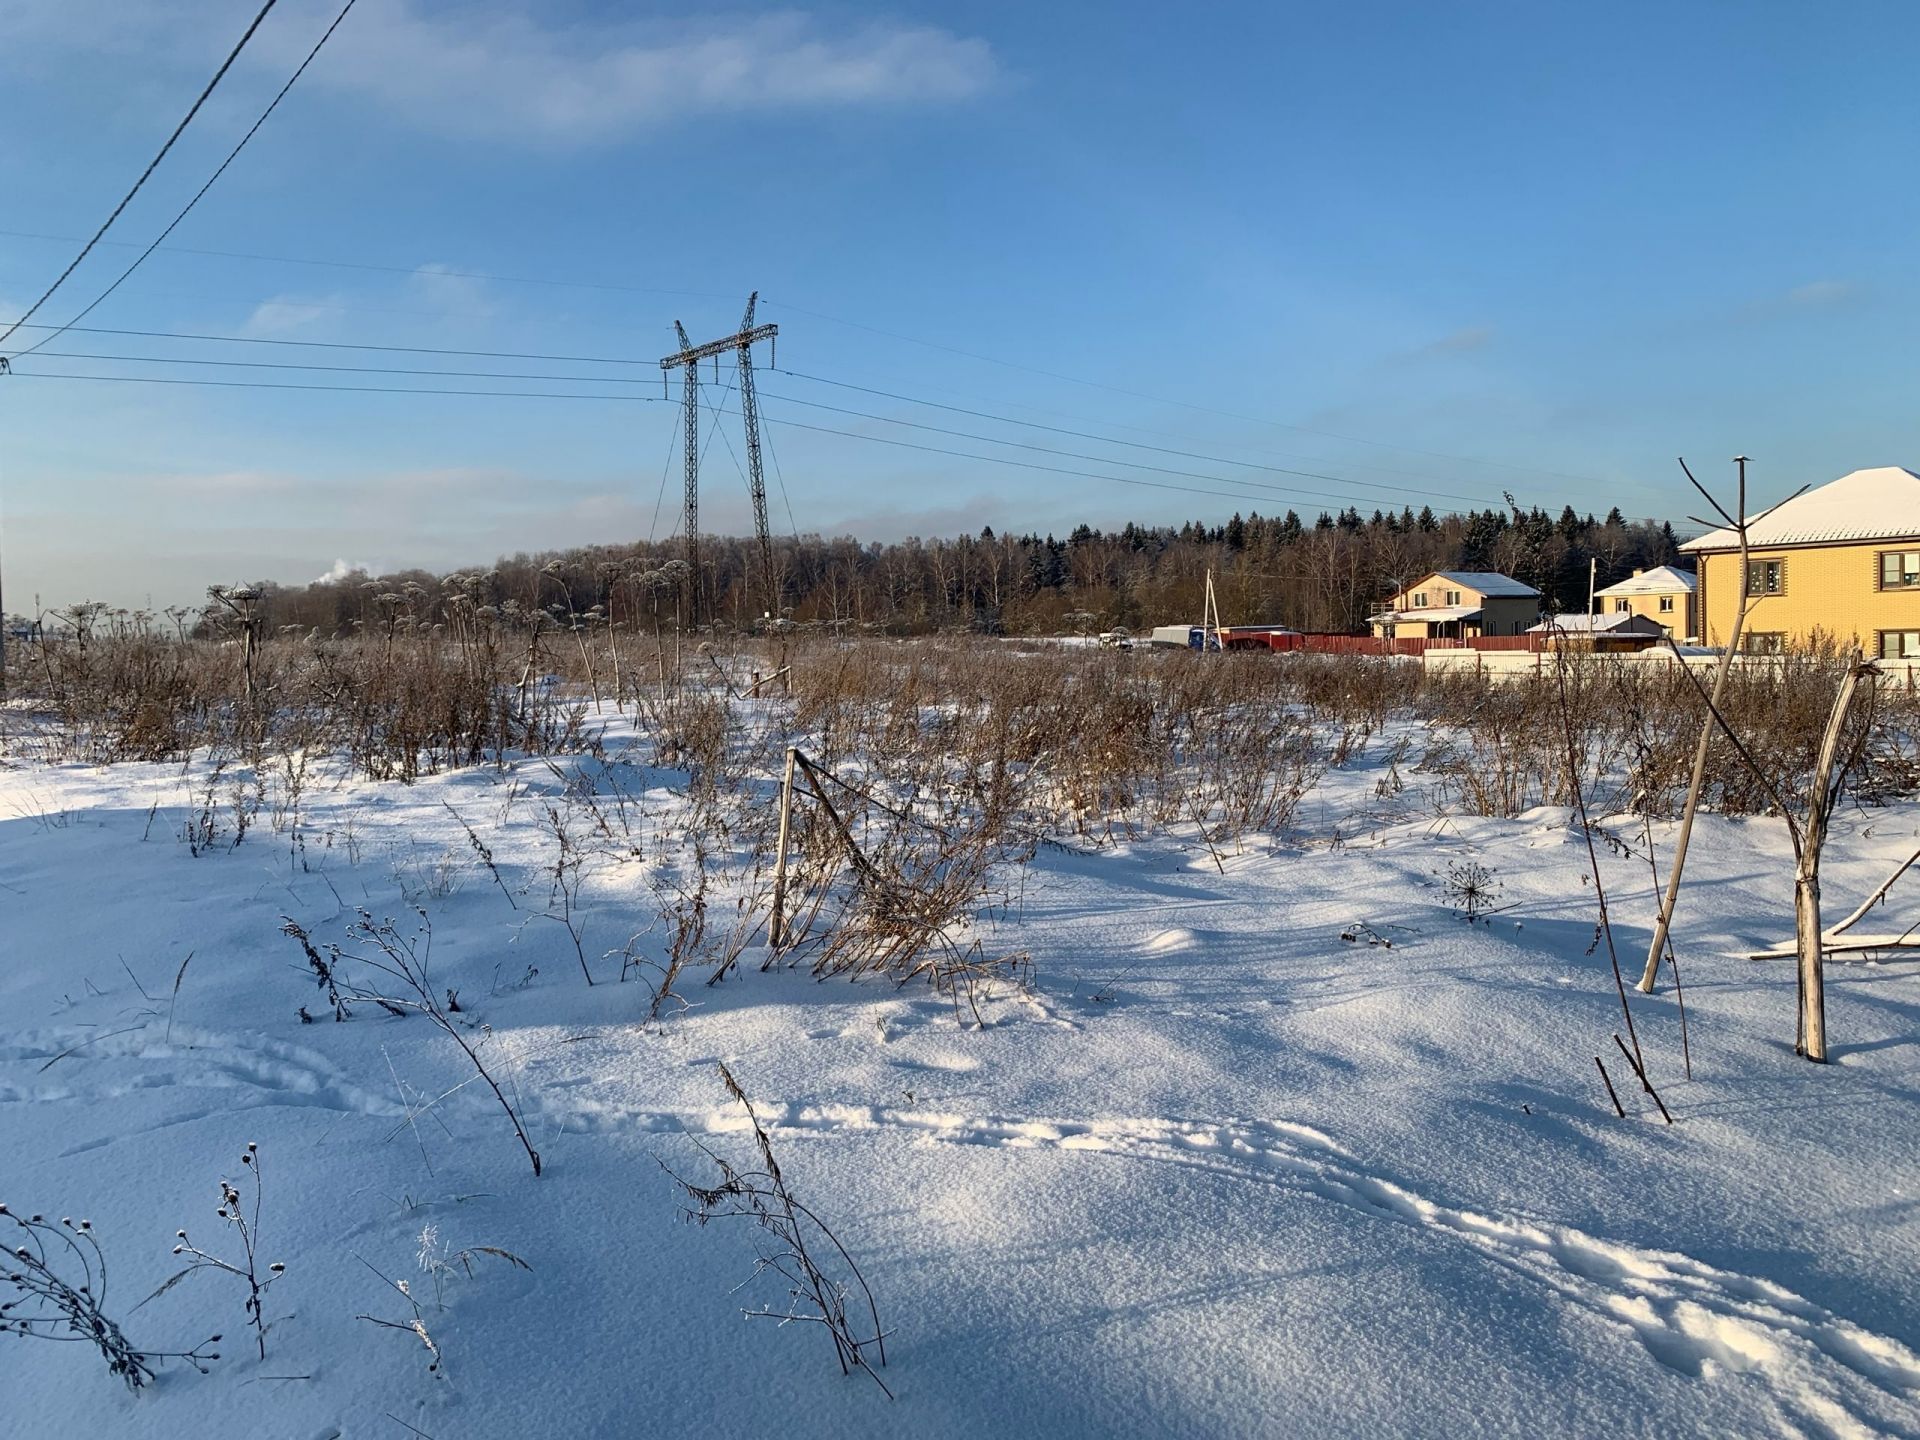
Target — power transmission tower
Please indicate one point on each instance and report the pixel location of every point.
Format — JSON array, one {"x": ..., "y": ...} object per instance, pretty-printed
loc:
[{"x": 688, "y": 359}]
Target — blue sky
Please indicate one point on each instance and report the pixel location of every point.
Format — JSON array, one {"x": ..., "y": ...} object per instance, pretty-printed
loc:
[{"x": 1427, "y": 253}]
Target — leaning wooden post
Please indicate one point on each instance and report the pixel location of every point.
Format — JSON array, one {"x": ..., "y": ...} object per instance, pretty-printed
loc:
[
  {"x": 776, "y": 924},
  {"x": 1806, "y": 880}
]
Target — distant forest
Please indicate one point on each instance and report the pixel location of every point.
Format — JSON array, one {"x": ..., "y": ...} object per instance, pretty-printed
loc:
[{"x": 1326, "y": 574}]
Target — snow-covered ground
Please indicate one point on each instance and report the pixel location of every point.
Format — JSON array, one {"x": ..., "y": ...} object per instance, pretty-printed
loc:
[{"x": 1219, "y": 1172}]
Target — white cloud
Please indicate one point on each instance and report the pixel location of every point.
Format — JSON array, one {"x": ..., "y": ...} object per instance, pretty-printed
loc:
[
  {"x": 284, "y": 314},
  {"x": 342, "y": 570},
  {"x": 501, "y": 72},
  {"x": 1822, "y": 292},
  {"x": 235, "y": 485},
  {"x": 445, "y": 289},
  {"x": 1466, "y": 339}
]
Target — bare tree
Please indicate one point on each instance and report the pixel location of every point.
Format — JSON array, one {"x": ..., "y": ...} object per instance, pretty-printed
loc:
[
  {"x": 1825, "y": 791},
  {"x": 1741, "y": 526}
]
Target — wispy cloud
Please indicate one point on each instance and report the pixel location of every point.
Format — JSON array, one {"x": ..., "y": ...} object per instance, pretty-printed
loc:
[
  {"x": 441, "y": 287},
  {"x": 1467, "y": 337},
  {"x": 1808, "y": 299},
  {"x": 1463, "y": 341},
  {"x": 1821, "y": 293},
  {"x": 235, "y": 485},
  {"x": 508, "y": 73},
  {"x": 286, "y": 314}
]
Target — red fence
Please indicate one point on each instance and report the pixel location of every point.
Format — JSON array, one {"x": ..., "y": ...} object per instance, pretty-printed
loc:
[{"x": 1329, "y": 644}]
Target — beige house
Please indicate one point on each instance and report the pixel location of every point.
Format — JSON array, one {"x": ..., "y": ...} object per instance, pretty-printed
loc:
[
  {"x": 1840, "y": 562},
  {"x": 1459, "y": 604},
  {"x": 1663, "y": 595}
]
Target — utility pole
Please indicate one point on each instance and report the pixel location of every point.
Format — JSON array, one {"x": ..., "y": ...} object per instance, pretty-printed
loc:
[
  {"x": 690, "y": 511},
  {"x": 688, "y": 359},
  {"x": 756, "y": 479},
  {"x": 1210, "y": 618}
]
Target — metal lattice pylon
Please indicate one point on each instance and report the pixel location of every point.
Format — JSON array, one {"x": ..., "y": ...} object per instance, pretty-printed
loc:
[{"x": 688, "y": 359}]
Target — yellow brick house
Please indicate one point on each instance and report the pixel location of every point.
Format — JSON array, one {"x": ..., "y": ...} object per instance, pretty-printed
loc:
[
  {"x": 1840, "y": 562},
  {"x": 1663, "y": 595}
]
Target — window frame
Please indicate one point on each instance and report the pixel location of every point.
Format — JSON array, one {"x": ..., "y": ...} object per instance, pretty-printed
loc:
[
  {"x": 1779, "y": 565},
  {"x": 1775, "y": 642},
  {"x": 1419, "y": 600},
  {"x": 1880, "y": 644},
  {"x": 1880, "y": 558},
  {"x": 1667, "y": 607}
]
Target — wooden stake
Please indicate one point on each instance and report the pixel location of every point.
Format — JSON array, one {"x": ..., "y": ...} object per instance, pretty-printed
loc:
[
  {"x": 1645, "y": 1084},
  {"x": 1608, "y": 1081},
  {"x": 776, "y": 924},
  {"x": 860, "y": 862}
]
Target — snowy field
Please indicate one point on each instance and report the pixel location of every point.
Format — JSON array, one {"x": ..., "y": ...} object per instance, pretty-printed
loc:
[{"x": 1217, "y": 1171}]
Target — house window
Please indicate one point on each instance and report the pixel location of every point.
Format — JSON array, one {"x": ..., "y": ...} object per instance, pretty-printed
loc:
[
  {"x": 1766, "y": 577},
  {"x": 1764, "y": 642},
  {"x": 1666, "y": 604},
  {"x": 1623, "y": 607},
  {"x": 1451, "y": 597},
  {"x": 1900, "y": 569},
  {"x": 1420, "y": 600},
  {"x": 1900, "y": 644}
]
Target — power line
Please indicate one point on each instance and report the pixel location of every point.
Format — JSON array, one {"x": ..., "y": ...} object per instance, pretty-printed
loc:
[
  {"x": 654, "y": 399},
  {"x": 353, "y": 389},
  {"x": 400, "y": 269},
  {"x": 623, "y": 400},
  {"x": 220, "y": 170},
  {"x": 330, "y": 369},
  {"x": 1183, "y": 404},
  {"x": 871, "y": 330},
  {"x": 1018, "y": 464},
  {"x": 152, "y": 165},
  {"x": 1278, "y": 491},
  {"x": 1132, "y": 444},
  {"x": 781, "y": 480},
  {"x": 666, "y": 469},
  {"x": 1148, "y": 430},
  {"x": 1273, "y": 491},
  {"x": 345, "y": 345}
]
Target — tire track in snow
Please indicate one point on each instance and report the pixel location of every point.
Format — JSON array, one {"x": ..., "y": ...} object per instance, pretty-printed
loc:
[{"x": 1821, "y": 1374}]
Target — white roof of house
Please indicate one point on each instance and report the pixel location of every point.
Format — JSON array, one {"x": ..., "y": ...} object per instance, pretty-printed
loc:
[
  {"x": 1878, "y": 504},
  {"x": 1488, "y": 582},
  {"x": 1664, "y": 580},
  {"x": 1432, "y": 614},
  {"x": 1619, "y": 621}
]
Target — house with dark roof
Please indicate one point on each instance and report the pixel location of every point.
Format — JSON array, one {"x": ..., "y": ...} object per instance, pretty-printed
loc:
[{"x": 1458, "y": 605}]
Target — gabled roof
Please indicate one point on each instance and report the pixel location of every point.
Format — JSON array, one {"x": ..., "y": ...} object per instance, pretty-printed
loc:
[
  {"x": 1619, "y": 623},
  {"x": 1432, "y": 615},
  {"x": 1663, "y": 580},
  {"x": 1490, "y": 583},
  {"x": 1878, "y": 504}
]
